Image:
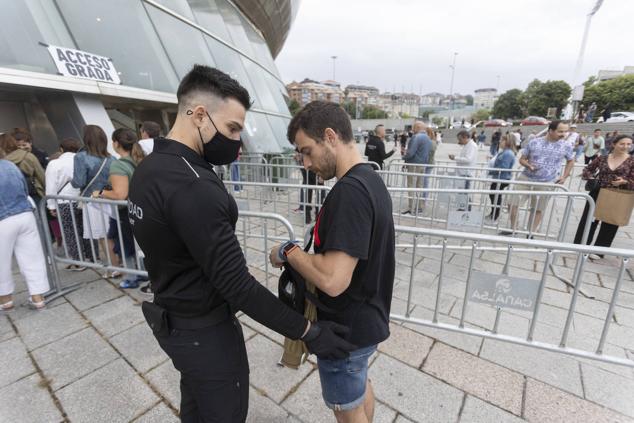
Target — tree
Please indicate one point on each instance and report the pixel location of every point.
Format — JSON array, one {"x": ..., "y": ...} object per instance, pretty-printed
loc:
[
  {"x": 293, "y": 107},
  {"x": 373, "y": 112},
  {"x": 481, "y": 114},
  {"x": 405, "y": 115},
  {"x": 437, "y": 120},
  {"x": 539, "y": 96},
  {"x": 469, "y": 99},
  {"x": 619, "y": 92},
  {"x": 350, "y": 108},
  {"x": 509, "y": 105},
  {"x": 590, "y": 81}
]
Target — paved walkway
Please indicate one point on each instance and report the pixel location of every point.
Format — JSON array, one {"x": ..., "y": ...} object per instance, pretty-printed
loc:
[{"x": 91, "y": 358}]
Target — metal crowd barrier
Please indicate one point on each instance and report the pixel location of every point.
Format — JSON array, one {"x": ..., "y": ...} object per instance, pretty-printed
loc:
[
  {"x": 441, "y": 210},
  {"x": 94, "y": 257},
  {"x": 498, "y": 302}
]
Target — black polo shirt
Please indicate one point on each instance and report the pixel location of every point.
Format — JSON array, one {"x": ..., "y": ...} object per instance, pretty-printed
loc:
[
  {"x": 356, "y": 218},
  {"x": 184, "y": 220}
]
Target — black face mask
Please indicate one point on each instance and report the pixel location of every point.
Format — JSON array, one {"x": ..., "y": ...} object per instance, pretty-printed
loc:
[{"x": 220, "y": 150}]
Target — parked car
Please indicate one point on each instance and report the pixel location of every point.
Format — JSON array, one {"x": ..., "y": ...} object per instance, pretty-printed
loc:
[
  {"x": 621, "y": 117},
  {"x": 534, "y": 120},
  {"x": 496, "y": 122}
]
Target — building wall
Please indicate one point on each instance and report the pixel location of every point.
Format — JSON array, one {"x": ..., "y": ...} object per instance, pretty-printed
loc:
[{"x": 152, "y": 44}]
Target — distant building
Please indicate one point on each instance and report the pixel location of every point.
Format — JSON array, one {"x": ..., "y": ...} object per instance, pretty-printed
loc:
[
  {"x": 605, "y": 75},
  {"x": 309, "y": 90},
  {"x": 399, "y": 104},
  {"x": 455, "y": 101},
  {"x": 431, "y": 100},
  {"x": 362, "y": 95},
  {"x": 485, "y": 98}
]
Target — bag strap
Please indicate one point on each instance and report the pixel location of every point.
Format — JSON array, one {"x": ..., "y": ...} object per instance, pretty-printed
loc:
[
  {"x": 94, "y": 177},
  {"x": 62, "y": 188}
]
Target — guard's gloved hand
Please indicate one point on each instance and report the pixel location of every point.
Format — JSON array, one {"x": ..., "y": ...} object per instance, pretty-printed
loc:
[{"x": 325, "y": 340}]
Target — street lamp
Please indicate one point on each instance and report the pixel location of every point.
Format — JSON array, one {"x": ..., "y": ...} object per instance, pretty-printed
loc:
[
  {"x": 333, "y": 67},
  {"x": 453, "y": 71},
  {"x": 577, "y": 95}
]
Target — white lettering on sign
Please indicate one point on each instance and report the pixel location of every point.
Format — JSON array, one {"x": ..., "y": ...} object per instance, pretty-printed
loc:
[
  {"x": 503, "y": 291},
  {"x": 80, "y": 64}
]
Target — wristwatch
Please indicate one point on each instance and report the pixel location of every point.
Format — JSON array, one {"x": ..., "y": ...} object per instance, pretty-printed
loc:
[{"x": 285, "y": 250}]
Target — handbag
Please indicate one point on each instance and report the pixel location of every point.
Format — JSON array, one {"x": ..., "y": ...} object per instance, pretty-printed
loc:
[
  {"x": 614, "y": 206},
  {"x": 94, "y": 178},
  {"x": 592, "y": 184}
]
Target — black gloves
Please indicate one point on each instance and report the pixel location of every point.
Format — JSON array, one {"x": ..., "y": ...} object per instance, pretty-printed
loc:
[{"x": 325, "y": 340}]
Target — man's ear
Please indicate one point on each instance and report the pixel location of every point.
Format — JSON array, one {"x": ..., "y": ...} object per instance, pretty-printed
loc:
[
  {"x": 198, "y": 114},
  {"x": 330, "y": 136}
]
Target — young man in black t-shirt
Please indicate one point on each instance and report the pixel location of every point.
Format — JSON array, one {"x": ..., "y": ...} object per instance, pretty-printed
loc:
[{"x": 353, "y": 264}]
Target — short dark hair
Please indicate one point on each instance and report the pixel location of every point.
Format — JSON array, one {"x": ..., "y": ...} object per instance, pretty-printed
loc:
[
  {"x": 554, "y": 124},
  {"x": 70, "y": 145},
  {"x": 153, "y": 129},
  {"x": 380, "y": 125},
  {"x": 22, "y": 134},
  {"x": 621, "y": 137},
  {"x": 597, "y": 129},
  {"x": 463, "y": 133},
  {"x": 212, "y": 81},
  {"x": 8, "y": 143},
  {"x": 316, "y": 116}
]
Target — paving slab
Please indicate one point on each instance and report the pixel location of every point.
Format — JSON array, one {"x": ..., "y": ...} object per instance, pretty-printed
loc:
[
  {"x": 115, "y": 316},
  {"x": 17, "y": 363},
  {"x": 111, "y": 394},
  {"x": 93, "y": 294},
  {"x": 260, "y": 328},
  {"x": 553, "y": 368},
  {"x": 139, "y": 347},
  {"x": 544, "y": 403},
  {"x": 413, "y": 393},
  {"x": 265, "y": 410},
  {"x": 42, "y": 327},
  {"x": 478, "y": 411},
  {"x": 495, "y": 384},
  {"x": 73, "y": 357},
  {"x": 159, "y": 414},
  {"x": 6, "y": 331},
  {"x": 608, "y": 389},
  {"x": 166, "y": 380},
  {"x": 406, "y": 345},
  {"x": 275, "y": 381},
  {"x": 27, "y": 401}
]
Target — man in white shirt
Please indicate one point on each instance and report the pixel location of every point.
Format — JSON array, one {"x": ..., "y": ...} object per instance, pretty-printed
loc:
[
  {"x": 466, "y": 159},
  {"x": 149, "y": 131}
]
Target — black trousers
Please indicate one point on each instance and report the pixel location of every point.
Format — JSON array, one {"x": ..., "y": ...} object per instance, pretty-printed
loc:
[
  {"x": 214, "y": 372},
  {"x": 496, "y": 204},
  {"x": 306, "y": 195},
  {"x": 607, "y": 232}
]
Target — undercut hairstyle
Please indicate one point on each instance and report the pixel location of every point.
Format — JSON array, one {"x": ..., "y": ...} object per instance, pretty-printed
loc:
[
  {"x": 380, "y": 125},
  {"x": 316, "y": 117},
  {"x": 151, "y": 128},
  {"x": 208, "y": 80},
  {"x": 552, "y": 126},
  {"x": 463, "y": 134},
  {"x": 8, "y": 143},
  {"x": 70, "y": 145},
  {"x": 22, "y": 134},
  {"x": 95, "y": 141}
]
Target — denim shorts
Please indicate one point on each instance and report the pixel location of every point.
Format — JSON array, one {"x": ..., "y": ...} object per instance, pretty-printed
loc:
[{"x": 343, "y": 381}]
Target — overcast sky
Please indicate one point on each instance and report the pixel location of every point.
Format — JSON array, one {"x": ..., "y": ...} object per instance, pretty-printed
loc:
[{"x": 409, "y": 44}]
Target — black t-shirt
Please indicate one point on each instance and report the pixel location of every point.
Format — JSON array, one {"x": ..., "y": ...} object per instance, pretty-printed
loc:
[{"x": 356, "y": 218}]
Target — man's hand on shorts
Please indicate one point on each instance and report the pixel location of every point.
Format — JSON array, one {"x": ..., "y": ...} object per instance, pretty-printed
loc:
[{"x": 326, "y": 340}]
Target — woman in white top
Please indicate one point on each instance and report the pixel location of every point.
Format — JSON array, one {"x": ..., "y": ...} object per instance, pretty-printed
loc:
[{"x": 59, "y": 173}]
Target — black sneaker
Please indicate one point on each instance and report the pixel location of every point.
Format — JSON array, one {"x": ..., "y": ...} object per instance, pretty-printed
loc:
[
  {"x": 147, "y": 289},
  {"x": 406, "y": 212}
]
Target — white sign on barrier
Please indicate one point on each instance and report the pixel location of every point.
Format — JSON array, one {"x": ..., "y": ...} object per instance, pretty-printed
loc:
[
  {"x": 243, "y": 205},
  {"x": 80, "y": 64},
  {"x": 464, "y": 221},
  {"x": 503, "y": 291}
]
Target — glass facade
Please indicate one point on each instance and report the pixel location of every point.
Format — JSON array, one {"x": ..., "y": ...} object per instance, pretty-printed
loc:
[{"x": 152, "y": 44}]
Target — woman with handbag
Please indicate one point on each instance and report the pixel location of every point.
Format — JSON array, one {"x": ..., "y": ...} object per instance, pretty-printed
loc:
[
  {"x": 91, "y": 167},
  {"x": 614, "y": 175},
  {"x": 124, "y": 142}
]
